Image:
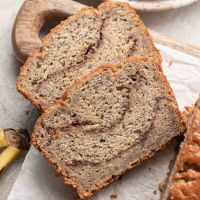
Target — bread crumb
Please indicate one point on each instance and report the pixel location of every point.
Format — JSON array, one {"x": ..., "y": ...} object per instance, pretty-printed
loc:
[
  {"x": 170, "y": 62},
  {"x": 162, "y": 184},
  {"x": 120, "y": 178},
  {"x": 113, "y": 196},
  {"x": 170, "y": 166}
]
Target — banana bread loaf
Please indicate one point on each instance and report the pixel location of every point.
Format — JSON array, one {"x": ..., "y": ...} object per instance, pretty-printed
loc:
[
  {"x": 184, "y": 180},
  {"x": 86, "y": 40},
  {"x": 107, "y": 122}
]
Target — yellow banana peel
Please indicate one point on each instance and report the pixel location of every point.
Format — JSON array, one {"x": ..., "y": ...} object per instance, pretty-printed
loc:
[
  {"x": 8, "y": 155},
  {"x": 3, "y": 142}
]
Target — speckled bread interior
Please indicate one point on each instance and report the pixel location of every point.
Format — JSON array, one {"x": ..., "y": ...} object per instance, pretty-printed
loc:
[
  {"x": 84, "y": 41},
  {"x": 108, "y": 121}
]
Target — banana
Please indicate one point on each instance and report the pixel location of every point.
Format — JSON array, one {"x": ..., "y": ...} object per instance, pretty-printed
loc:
[
  {"x": 14, "y": 142},
  {"x": 18, "y": 138},
  {"x": 3, "y": 143},
  {"x": 7, "y": 156}
]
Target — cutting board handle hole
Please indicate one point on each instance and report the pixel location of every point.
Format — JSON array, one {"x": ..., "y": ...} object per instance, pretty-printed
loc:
[{"x": 48, "y": 26}]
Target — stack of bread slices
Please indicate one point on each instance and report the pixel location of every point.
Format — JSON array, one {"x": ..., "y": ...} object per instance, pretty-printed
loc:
[{"x": 106, "y": 104}]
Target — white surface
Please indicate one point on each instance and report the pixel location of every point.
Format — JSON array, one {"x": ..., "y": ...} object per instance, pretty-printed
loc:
[
  {"x": 36, "y": 180},
  {"x": 15, "y": 111},
  {"x": 183, "y": 24}
]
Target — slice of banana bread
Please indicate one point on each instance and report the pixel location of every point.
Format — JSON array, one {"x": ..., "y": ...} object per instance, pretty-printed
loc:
[
  {"x": 86, "y": 40},
  {"x": 107, "y": 122},
  {"x": 184, "y": 180}
]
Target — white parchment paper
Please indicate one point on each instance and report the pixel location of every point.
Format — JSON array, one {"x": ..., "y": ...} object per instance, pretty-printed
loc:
[{"x": 36, "y": 181}]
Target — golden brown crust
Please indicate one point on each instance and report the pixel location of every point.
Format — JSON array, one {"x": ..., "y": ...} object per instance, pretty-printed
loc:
[
  {"x": 78, "y": 188},
  {"x": 109, "y": 5},
  {"x": 186, "y": 186},
  {"x": 187, "y": 112},
  {"x": 175, "y": 104},
  {"x": 186, "y": 180}
]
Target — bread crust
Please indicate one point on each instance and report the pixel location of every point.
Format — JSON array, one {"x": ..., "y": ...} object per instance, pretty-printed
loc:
[
  {"x": 109, "y": 5},
  {"x": 82, "y": 193},
  {"x": 186, "y": 178}
]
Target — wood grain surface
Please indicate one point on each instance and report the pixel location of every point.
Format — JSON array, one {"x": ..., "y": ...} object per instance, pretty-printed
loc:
[{"x": 34, "y": 13}]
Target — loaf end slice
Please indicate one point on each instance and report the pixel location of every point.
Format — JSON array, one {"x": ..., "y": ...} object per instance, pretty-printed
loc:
[
  {"x": 84, "y": 41},
  {"x": 184, "y": 180},
  {"x": 108, "y": 122}
]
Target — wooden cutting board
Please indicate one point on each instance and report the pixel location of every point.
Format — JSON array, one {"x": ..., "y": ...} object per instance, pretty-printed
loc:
[{"x": 34, "y": 13}]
